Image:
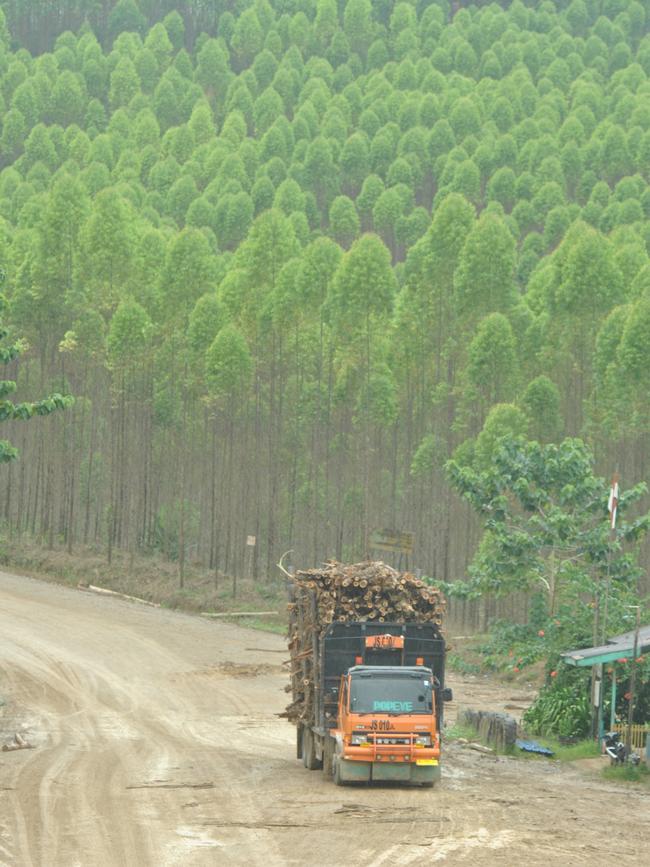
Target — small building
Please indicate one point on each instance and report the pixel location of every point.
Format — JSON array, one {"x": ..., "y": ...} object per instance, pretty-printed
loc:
[{"x": 615, "y": 649}]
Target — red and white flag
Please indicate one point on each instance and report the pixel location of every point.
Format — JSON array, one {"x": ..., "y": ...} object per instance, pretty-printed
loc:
[{"x": 612, "y": 504}]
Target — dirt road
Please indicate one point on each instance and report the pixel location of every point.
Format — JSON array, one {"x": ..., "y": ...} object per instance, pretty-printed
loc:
[{"x": 157, "y": 743}]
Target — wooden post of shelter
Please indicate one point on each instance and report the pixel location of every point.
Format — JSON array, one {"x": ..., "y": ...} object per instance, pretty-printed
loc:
[
  {"x": 630, "y": 710},
  {"x": 600, "y": 624}
]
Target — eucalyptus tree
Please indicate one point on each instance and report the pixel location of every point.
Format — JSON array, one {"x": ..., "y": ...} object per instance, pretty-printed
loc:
[
  {"x": 360, "y": 300},
  {"x": 492, "y": 362},
  {"x": 211, "y": 167},
  {"x": 586, "y": 284},
  {"x": 128, "y": 341},
  {"x": 106, "y": 243},
  {"x": 228, "y": 372}
]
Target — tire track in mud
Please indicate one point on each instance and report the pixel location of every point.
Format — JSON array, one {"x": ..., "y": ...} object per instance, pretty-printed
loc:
[
  {"x": 230, "y": 819},
  {"x": 86, "y": 712},
  {"x": 62, "y": 791}
]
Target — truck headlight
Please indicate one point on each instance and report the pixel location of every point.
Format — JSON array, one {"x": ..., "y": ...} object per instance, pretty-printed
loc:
[
  {"x": 423, "y": 741},
  {"x": 358, "y": 740}
]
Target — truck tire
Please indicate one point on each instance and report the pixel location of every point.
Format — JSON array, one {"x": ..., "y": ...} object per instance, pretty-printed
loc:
[
  {"x": 329, "y": 745},
  {"x": 309, "y": 759},
  {"x": 336, "y": 771}
]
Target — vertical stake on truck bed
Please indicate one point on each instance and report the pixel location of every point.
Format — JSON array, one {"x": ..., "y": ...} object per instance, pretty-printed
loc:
[{"x": 315, "y": 658}]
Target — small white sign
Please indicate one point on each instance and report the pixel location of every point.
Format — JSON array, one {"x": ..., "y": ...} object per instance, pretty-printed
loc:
[{"x": 251, "y": 541}]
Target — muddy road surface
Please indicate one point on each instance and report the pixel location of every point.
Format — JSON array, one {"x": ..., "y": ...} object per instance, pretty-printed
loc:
[{"x": 157, "y": 742}]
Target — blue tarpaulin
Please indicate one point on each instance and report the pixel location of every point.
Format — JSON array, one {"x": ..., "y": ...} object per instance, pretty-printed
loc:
[{"x": 533, "y": 747}]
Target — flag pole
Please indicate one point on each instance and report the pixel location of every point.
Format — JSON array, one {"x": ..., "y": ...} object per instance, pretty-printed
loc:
[
  {"x": 612, "y": 507},
  {"x": 600, "y": 625}
]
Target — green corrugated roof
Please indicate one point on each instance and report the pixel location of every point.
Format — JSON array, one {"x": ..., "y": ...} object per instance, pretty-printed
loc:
[{"x": 618, "y": 647}]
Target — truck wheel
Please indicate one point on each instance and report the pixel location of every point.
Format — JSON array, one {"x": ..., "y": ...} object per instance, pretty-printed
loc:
[
  {"x": 309, "y": 759},
  {"x": 329, "y": 746},
  {"x": 336, "y": 771}
]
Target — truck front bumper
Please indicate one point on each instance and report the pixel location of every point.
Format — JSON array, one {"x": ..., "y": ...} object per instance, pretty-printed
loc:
[
  {"x": 396, "y": 753},
  {"x": 407, "y": 772}
]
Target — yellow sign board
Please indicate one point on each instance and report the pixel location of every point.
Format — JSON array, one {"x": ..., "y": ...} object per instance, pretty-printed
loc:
[{"x": 393, "y": 540}]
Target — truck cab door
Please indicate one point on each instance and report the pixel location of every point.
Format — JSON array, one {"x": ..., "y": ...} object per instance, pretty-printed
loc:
[{"x": 343, "y": 700}]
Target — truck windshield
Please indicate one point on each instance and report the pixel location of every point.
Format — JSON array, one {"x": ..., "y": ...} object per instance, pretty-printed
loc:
[{"x": 390, "y": 693}]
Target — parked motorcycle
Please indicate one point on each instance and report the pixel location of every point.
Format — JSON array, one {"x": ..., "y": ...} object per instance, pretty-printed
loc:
[{"x": 615, "y": 749}]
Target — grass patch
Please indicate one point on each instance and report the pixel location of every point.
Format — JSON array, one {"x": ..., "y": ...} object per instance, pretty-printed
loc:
[
  {"x": 460, "y": 665},
  {"x": 469, "y": 733},
  {"x": 458, "y": 730},
  {"x": 266, "y": 626},
  {"x": 586, "y": 749},
  {"x": 627, "y": 774}
]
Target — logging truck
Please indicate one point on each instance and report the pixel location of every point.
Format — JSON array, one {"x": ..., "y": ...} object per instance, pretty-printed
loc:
[{"x": 372, "y": 701}]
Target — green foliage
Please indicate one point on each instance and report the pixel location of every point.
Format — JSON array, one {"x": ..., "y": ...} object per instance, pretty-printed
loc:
[
  {"x": 426, "y": 457},
  {"x": 485, "y": 275},
  {"x": 228, "y": 363},
  {"x": 503, "y": 420},
  {"x": 363, "y": 287},
  {"x": 9, "y": 352},
  {"x": 167, "y": 527},
  {"x": 456, "y": 663},
  {"x": 205, "y": 322},
  {"x": 541, "y": 401},
  {"x": 543, "y": 511},
  {"x": 627, "y": 774},
  {"x": 384, "y": 233},
  {"x": 128, "y": 334},
  {"x": 344, "y": 220},
  {"x": 562, "y": 707},
  {"x": 493, "y": 359},
  {"x": 125, "y": 16}
]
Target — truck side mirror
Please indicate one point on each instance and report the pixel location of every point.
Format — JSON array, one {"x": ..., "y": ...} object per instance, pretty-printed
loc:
[{"x": 447, "y": 694}]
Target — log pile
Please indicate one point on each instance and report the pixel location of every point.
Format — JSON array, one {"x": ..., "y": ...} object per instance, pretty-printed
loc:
[{"x": 364, "y": 591}]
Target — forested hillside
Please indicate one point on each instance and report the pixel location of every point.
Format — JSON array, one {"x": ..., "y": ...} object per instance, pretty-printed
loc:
[{"x": 292, "y": 256}]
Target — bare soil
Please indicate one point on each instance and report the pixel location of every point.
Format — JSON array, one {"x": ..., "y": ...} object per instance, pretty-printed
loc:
[{"x": 157, "y": 742}]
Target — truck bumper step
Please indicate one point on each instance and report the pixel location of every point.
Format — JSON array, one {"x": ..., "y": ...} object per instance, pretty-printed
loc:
[{"x": 358, "y": 772}]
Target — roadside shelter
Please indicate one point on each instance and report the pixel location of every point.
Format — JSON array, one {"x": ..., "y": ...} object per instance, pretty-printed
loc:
[{"x": 617, "y": 648}]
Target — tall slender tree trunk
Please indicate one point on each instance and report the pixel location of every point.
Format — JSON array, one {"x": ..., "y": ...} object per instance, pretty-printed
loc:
[{"x": 183, "y": 462}]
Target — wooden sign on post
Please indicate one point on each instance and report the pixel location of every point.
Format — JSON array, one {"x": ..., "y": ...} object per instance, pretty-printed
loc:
[
  {"x": 398, "y": 541},
  {"x": 251, "y": 542}
]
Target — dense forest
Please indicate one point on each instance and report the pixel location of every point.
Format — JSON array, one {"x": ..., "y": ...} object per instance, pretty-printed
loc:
[{"x": 290, "y": 257}]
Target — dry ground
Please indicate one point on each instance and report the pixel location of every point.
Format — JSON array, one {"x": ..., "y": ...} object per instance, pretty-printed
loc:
[{"x": 157, "y": 742}]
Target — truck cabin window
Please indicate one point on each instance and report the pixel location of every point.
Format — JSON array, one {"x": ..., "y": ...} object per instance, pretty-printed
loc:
[{"x": 391, "y": 693}]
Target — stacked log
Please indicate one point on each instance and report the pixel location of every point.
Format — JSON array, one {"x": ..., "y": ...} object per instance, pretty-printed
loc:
[
  {"x": 497, "y": 729},
  {"x": 369, "y": 591}
]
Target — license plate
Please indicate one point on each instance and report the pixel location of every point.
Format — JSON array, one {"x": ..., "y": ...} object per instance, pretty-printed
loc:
[{"x": 426, "y": 762}]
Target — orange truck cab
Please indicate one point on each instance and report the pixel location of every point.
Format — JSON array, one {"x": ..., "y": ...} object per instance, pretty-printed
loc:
[{"x": 378, "y": 703}]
